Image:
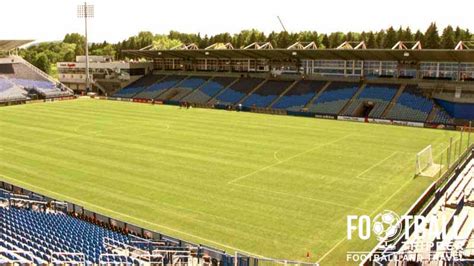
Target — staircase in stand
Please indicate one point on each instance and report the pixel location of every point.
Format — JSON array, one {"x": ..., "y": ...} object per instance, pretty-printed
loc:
[
  {"x": 158, "y": 81},
  {"x": 212, "y": 100},
  {"x": 394, "y": 100},
  {"x": 316, "y": 96},
  {"x": 197, "y": 88},
  {"x": 283, "y": 93},
  {"x": 252, "y": 91},
  {"x": 356, "y": 95},
  {"x": 41, "y": 73}
]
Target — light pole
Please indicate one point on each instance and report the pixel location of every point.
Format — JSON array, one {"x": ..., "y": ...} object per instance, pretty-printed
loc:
[{"x": 86, "y": 11}]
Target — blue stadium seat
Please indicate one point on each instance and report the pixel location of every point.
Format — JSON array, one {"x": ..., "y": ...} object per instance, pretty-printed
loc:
[
  {"x": 208, "y": 90},
  {"x": 156, "y": 89},
  {"x": 334, "y": 98},
  {"x": 43, "y": 233},
  {"x": 299, "y": 95},
  {"x": 187, "y": 86},
  {"x": 378, "y": 94},
  {"x": 266, "y": 94},
  {"x": 412, "y": 105},
  {"x": 237, "y": 91},
  {"x": 10, "y": 92},
  {"x": 137, "y": 86}
]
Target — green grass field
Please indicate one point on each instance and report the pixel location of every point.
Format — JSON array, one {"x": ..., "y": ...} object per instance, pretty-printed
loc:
[{"x": 275, "y": 186}]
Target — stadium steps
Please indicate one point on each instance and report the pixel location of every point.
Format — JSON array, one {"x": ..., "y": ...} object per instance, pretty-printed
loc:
[
  {"x": 356, "y": 95},
  {"x": 41, "y": 73},
  {"x": 394, "y": 100},
  {"x": 283, "y": 93},
  {"x": 213, "y": 99},
  {"x": 432, "y": 114},
  {"x": 252, "y": 91},
  {"x": 196, "y": 89},
  {"x": 316, "y": 96},
  {"x": 145, "y": 88},
  {"x": 164, "y": 92},
  {"x": 102, "y": 89}
]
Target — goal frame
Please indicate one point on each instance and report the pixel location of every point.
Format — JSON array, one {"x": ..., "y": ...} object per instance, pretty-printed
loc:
[{"x": 428, "y": 151}]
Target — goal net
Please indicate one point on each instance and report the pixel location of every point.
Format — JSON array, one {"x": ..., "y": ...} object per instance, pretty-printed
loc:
[{"x": 424, "y": 160}]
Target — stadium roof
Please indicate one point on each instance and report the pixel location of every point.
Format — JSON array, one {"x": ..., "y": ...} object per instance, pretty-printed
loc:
[
  {"x": 7, "y": 45},
  {"x": 425, "y": 55}
]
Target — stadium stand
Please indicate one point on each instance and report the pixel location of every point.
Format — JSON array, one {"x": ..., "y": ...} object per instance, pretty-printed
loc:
[
  {"x": 299, "y": 95},
  {"x": 156, "y": 89},
  {"x": 379, "y": 97},
  {"x": 186, "y": 87},
  {"x": 334, "y": 98},
  {"x": 412, "y": 105},
  {"x": 10, "y": 92},
  {"x": 24, "y": 77},
  {"x": 441, "y": 117},
  {"x": 209, "y": 90},
  {"x": 38, "y": 230},
  {"x": 43, "y": 233},
  {"x": 32, "y": 232},
  {"x": 453, "y": 208},
  {"x": 237, "y": 91},
  {"x": 321, "y": 97},
  {"x": 138, "y": 86},
  {"x": 267, "y": 93},
  {"x": 455, "y": 204}
]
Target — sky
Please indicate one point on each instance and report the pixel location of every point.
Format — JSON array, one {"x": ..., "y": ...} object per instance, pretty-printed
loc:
[{"x": 50, "y": 20}]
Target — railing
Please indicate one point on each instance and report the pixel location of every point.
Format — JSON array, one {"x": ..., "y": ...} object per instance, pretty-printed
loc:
[
  {"x": 19, "y": 254},
  {"x": 41, "y": 73},
  {"x": 68, "y": 258},
  {"x": 429, "y": 198}
]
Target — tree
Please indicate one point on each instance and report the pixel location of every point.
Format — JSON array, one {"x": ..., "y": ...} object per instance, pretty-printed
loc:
[
  {"x": 70, "y": 56},
  {"x": 419, "y": 37},
  {"x": 162, "y": 42},
  {"x": 336, "y": 39},
  {"x": 447, "y": 38},
  {"x": 371, "y": 43},
  {"x": 432, "y": 39},
  {"x": 79, "y": 50},
  {"x": 379, "y": 39},
  {"x": 325, "y": 41},
  {"x": 400, "y": 34},
  {"x": 74, "y": 38},
  {"x": 42, "y": 62},
  {"x": 407, "y": 35},
  {"x": 390, "y": 38}
]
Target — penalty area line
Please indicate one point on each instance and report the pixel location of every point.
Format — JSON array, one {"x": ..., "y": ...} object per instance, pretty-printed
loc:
[
  {"x": 371, "y": 214},
  {"x": 287, "y": 159}
]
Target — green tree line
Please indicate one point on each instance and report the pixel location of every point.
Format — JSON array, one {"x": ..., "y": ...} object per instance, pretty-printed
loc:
[{"x": 45, "y": 54}]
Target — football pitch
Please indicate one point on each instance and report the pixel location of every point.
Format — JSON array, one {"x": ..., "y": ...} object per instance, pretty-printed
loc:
[{"x": 275, "y": 186}]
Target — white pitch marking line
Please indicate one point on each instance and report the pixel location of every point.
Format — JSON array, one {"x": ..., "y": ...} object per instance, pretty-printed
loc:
[
  {"x": 275, "y": 155},
  {"x": 287, "y": 159},
  {"x": 303, "y": 197},
  {"x": 128, "y": 216},
  {"x": 373, "y": 166},
  {"x": 379, "y": 207}
]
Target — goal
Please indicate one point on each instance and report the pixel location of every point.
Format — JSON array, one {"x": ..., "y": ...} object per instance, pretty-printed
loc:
[{"x": 424, "y": 160}]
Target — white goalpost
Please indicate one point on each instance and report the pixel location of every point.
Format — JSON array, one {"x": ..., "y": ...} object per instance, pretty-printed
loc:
[{"x": 424, "y": 160}]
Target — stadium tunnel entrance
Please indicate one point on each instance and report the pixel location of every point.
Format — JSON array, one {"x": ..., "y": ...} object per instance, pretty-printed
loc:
[{"x": 364, "y": 109}]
